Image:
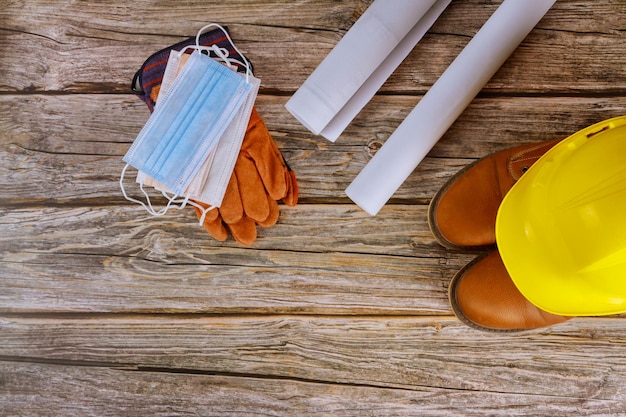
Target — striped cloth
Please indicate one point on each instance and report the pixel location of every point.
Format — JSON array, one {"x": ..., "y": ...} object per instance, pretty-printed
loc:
[{"x": 151, "y": 72}]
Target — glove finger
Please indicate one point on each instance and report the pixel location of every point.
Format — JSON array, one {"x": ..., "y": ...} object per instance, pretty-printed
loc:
[
  {"x": 154, "y": 93},
  {"x": 260, "y": 146},
  {"x": 273, "y": 216},
  {"x": 291, "y": 199},
  {"x": 251, "y": 189},
  {"x": 231, "y": 209},
  {"x": 216, "y": 228},
  {"x": 244, "y": 231}
]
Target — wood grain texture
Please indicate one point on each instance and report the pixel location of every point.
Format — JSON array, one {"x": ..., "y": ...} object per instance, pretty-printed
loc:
[
  {"x": 105, "y": 311},
  {"x": 98, "y": 48},
  {"x": 52, "y": 390},
  {"x": 115, "y": 259},
  {"x": 416, "y": 353},
  {"x": 49, "y": 142}
]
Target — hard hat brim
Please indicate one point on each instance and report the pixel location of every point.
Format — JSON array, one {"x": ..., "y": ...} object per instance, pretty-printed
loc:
[{"x": 561, "y": 229}]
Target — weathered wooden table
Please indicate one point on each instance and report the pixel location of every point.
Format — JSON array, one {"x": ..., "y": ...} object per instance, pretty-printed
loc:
[{"x": 105, "y": 310}]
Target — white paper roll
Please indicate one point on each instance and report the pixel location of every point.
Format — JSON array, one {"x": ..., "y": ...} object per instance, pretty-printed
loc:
[
  {"x": 444, "y": 102},
  {"x": 353, "y": 60},
  {"x": 364, "y": 94}
]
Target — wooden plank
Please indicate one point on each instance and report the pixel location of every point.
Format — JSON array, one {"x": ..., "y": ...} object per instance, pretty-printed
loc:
[
  {"x": 104, "y": 311},
  {"x": 98, "y": 48},
  {"x": 48, "y": 142},
  {"x": 400, "y": 230},
  {"x": 580, "y": 360},
  {"x": 31, "y": 389},
  {"x": 317, "y": 259}
]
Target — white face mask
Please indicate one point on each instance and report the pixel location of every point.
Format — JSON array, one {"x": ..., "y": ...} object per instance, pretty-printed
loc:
[
  {"x": 210, "y": 182},
  {"x": 214, "y": 176}
]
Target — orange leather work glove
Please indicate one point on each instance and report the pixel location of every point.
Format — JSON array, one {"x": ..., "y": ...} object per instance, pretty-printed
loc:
[{"x": 261, "y": 177}]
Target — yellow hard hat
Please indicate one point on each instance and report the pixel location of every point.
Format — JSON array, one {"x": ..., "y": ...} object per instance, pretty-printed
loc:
[{"x": 561, "y": 229}]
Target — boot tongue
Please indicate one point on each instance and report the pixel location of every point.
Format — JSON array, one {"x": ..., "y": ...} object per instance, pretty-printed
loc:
[{"x": 519, "y": 162}]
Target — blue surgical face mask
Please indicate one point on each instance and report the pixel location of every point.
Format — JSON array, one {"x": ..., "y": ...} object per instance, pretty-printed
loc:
[
  {"x": 209, "y": 185},
  {"x": 212, "y": 183},
  {"x": 188, "y": 122}
]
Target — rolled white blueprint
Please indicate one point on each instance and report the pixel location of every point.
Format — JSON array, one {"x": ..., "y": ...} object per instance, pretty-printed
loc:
[
  {"x": 364, "y": 94},
  {"x": 444, "y": 102},
  {"x": 368, "y": 44}
]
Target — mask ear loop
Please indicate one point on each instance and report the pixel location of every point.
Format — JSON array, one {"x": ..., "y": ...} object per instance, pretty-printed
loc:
[
  {"x": 221, "y": 53},
  {"x": 185, "y": 201},
  {"x": 149, "y": 207},
  {"x": 204, "y": 211},
  {"x": 210, "y": 25}
]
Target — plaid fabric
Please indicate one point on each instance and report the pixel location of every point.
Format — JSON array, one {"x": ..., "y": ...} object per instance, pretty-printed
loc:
[{"x": 151, "y": 72}]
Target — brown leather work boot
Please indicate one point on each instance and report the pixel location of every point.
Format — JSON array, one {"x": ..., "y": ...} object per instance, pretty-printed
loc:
[
  {"x": 462, "y": 215},
  {"x": 483, "y": 296}
]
